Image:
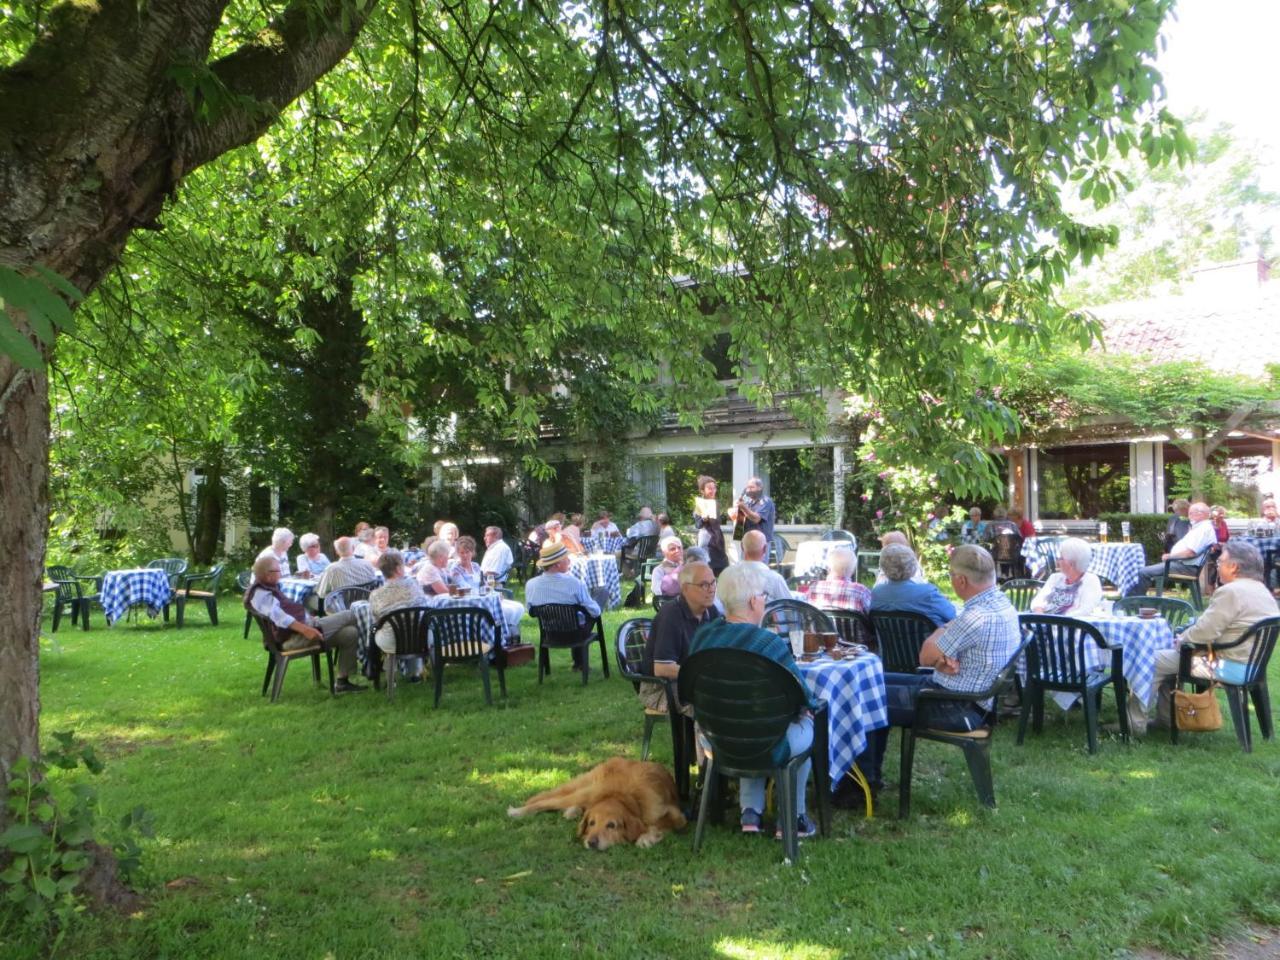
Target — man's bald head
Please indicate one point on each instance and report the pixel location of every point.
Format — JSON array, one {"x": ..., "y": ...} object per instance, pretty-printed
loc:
[
  {"x": 894, "y": 536},
  {"x": 754, "y": 545},
  {"x": 1199, "y": 511}
]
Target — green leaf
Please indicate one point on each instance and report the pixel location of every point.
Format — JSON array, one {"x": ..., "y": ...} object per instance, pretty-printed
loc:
[
  {"x": 45, "y": 887},
  {"x": 59, "y": 283},
  {"x": 13, "y": 344}
]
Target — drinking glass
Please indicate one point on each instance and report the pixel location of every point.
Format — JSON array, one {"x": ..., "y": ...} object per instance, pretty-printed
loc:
[
  {"x": 1124, "y": 530},
  {"x": 797, "y": 643}
]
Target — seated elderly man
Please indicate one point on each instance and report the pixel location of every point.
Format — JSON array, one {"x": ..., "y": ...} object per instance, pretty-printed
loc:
[
  {"x": 973, "y": 530},
  {"x": 497, "y": 559},
  {"x": 366, "y": 546},
  {"x": 347, "y": 571},
  {"x": 292, "y": 627},
  {"x": 1270, "y": 513},
  {"x": 755, "y": 549},
  {"x": 839, "y": 591},
  {"x": 673, "y": 630},
  {"x": 398, "y": 591},
  {"x": 966, "y": 655},
  {"x": 1190, "y": 548},
  {"x": 741, "y": 591},
  {"x": 555, "y": 584},
  {"x": 888, "y": 538},
  {"x": 902, "y": 592},
  {"x": 1072, "y": 590},
  {"x": 1241, "y": 601},
  {"x": 281, "y": 541},
  {"x": 665, "y": 581},
  {"x": 311, "y": 562},
  {"x": 645, "y": 525}
]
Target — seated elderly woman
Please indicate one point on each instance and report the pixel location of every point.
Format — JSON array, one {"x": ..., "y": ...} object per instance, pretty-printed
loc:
[
  {"x": 398, "y": 591},
  {"x": 1072, "y": 590},
  {"x": 839, "y": 591},
  {"x": 463, "y": 571},
  {"x": 665, "y": 581},
  {"x": 901, "y": 590},
  {"x": 432, "y": 573},
  {"x": 311, "y": 562}
]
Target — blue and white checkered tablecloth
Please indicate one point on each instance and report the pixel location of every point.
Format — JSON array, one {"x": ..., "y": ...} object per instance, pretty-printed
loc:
[
  {"x": 855, "y": 694},
  {"x": 297, "y": 589},
  {"x": 122, "y": 589},
  {"x": 599, "y": 570},
  {"x": 1141, "y": 640},
  {"x": 364, "y": 621},
  {"x": 599, "y": 543},
  {"x": 1117, "y": 562}
]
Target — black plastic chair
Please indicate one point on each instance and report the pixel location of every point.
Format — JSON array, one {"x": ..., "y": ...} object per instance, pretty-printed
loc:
[
  {"x": 335, "y": 601},
  {"x": 568, "y": 626},
  {"x": 636, "y": 553},
  {"x": 461, "y": 635},
  {"x": 208, "y": 593},
  {"x": 976, "y": 744},
  {"x": 1021, "y": 593},
  {"x": 743, "y": 703},
  {"x": 868, "y": 566},
  {"x": 1176, "y": 612},
  {"x": 518, "y": 560},
  {"x": 1056, "y": 661},
  {"x": 783, "y": 616},
  {"x": 900, "y": 634},
  {"x": 243, "y": 579},
  {"x": 1047, "y": 550},
  {"x": 409, "y": 626},
  {"x": 278, "y": 659},
  {"x": 1263, "y": 635},
  {"x": 1189, "y": 580},
  {"x": 69, "y": 595},
  {"x": 854, "y": 626},
  {"x": 174, "y": 568}
]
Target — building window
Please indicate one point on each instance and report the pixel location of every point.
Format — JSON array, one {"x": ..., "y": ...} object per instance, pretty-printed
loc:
[
  {"x": 1236, "y": 473},
  {"x": 260, "y": 516},
  {"x": 716, "y": 353},
  {"x": 801, "y": 483},
  {"x": 1082, "y": 482}
]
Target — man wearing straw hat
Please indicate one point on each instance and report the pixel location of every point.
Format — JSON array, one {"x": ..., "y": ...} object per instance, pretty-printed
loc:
[{"x": 555, "y": 584}]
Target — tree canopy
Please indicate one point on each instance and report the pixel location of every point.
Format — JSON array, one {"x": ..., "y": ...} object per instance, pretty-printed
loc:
[{"x": 503, "y": 198}]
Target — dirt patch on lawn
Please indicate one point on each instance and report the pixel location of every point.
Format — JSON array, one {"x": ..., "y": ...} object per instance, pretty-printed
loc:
[{"x": 1257, "y": 943}]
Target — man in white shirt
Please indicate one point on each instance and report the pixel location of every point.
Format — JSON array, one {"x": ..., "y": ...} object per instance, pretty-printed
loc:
[
  {"x": 754, "y": 549},
  {"x": 1188, "y": 554},
  {"x": 497, "y": 555},
  {"x": 645, "y": 525}
]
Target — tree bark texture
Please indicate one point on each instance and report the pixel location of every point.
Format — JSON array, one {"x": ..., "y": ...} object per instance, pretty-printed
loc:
[{"x": 97, "y": 129}]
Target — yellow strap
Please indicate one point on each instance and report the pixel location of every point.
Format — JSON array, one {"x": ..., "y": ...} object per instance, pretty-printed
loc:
[{"x": 860, "y": 779}]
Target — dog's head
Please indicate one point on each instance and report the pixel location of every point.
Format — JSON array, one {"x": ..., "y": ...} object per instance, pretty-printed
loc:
[{"x": 607, "y": 822}]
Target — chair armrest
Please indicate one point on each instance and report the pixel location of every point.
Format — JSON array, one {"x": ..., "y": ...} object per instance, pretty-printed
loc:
[
  {"x": 189, "y": 579},
  {"x": 1194, "y": 647}
]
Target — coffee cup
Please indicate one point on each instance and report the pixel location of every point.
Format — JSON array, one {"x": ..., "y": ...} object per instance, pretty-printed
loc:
[
  {"x": 1148, "y": 613},
  {"x": 812, "y": 642}
]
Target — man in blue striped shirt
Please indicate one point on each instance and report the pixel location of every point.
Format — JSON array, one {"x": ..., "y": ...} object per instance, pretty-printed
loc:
[{"x": 966, "y": 655}]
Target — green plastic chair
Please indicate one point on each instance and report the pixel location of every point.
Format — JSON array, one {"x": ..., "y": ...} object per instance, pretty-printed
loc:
[
  {"x": 70, "y": 596},
  {"x": 1055, "y": 661},
  {"x": 208, "y": 592},
  {"x": 900, "y": 635},
  {"x": 1263, "y": 635},
  {"x": 1174, "y": 611},
  {"x": 743, "y": 703},
  {"x": 976, "y": 744},
  {"x": 628, "y": 648},
  {"x": 1021, "y": 593},
  {"x": 243, "y": 579}
]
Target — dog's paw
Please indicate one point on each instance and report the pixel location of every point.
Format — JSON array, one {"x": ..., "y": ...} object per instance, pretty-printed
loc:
[
  {"x": 515, "y": 811},
  {"x": 572, "y": 813},
  {"x": 648, "y": 839}
]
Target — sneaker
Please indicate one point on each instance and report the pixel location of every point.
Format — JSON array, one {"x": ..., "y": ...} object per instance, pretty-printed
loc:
[
  {"x": 751, "y": 821},
  {"x": 346, "y": 686},
  {"x": 805, "y": 828}
]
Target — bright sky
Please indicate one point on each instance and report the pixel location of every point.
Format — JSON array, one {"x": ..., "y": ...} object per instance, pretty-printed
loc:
[{"x": 1222, "y": 58}]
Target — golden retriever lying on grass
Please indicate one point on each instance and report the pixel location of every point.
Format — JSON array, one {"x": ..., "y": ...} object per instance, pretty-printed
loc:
[{"x": 621, "y": 801}]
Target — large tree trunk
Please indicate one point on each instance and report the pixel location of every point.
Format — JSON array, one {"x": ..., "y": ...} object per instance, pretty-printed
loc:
[{"x": 95, "y": 134}]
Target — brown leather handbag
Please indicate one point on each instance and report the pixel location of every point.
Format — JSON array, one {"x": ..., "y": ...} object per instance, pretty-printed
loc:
[{"x": 1198, "y": 711}]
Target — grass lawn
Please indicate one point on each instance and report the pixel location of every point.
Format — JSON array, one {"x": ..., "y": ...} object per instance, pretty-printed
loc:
[{"x": 358, "y": 828}]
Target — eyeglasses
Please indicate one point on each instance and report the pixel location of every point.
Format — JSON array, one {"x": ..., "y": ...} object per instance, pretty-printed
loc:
[{"x": 705, "y": 584}]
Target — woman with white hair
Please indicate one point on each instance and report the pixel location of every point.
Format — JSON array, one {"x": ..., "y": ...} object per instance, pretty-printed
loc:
[
  {"x": 432, "y": 572},
  {"x": 741, "y": 589},
  {"x": 839, "y": 591},
  {"x": 397, "y": 591},
  {"x": 666, "y": 575},
  {"x": 311, "y": 562},
  {"x": 281, "y": 541},
  {"x": 1072, "y": 590}
]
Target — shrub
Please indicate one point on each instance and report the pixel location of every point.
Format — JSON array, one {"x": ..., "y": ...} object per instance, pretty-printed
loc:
[{"x": 1144, "y": 528}]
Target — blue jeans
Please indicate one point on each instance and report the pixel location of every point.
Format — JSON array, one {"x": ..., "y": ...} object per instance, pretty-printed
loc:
[
  {"x": 901, "y": 691},
  {"x": 799, "y": 739}
]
